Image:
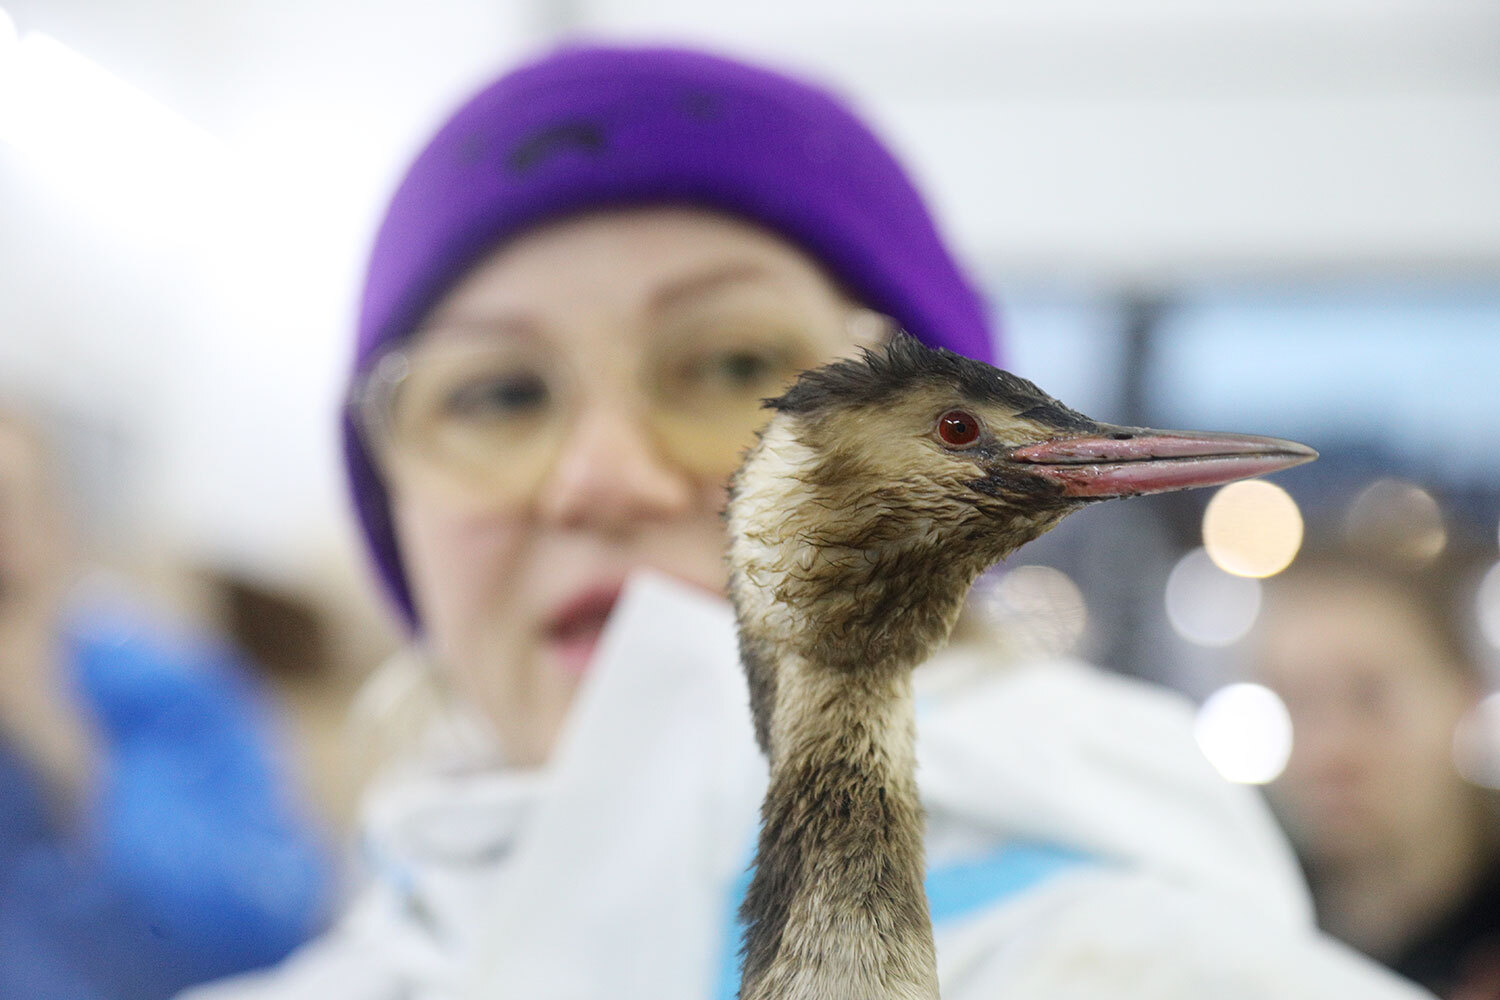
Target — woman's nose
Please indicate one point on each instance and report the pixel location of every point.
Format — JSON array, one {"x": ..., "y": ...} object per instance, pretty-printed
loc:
[{"x": 609, "y": 476}]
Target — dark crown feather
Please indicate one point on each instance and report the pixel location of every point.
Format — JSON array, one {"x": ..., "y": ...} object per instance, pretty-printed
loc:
[{"x": 904, "y": 365}]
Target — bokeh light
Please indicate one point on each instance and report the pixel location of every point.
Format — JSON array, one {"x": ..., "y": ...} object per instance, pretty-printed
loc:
[
  {"x": 1040, "y": 609},
  {"x": 1245, "y": 732},
  {"x": 1476, "y": 743},
  {"x": 1487, "y": 606},
  {"x": 1397, "y": 519},
  {"x": 1208, "y": 606},
  {"x": 1252, "y": 528}
]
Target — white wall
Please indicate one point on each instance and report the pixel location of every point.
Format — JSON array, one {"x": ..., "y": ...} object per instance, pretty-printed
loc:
[{"x": 1148, "y": 140}]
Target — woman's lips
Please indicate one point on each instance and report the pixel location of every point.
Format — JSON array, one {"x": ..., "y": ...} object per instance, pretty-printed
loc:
[{"x": 573, "y": 631}]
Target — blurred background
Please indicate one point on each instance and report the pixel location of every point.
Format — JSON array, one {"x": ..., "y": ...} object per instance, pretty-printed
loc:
[{"x": 1258, "y": 215}]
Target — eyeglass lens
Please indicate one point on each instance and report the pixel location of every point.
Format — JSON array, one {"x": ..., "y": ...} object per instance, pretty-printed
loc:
[{"x": 489, "y": 416}]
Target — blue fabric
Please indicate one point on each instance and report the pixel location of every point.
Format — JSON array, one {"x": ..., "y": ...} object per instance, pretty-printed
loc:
[
  {"x": 191, "y": 862},
  {"x": 953, "y": 892},
  {"x": 194, "y": 820}
]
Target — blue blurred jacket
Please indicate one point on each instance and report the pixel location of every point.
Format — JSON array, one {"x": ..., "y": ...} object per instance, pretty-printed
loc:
[{"x": 192, "y": 861}]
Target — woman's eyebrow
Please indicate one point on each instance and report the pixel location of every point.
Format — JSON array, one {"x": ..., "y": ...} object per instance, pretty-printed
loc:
[
  {"x": 694, "y": 285},
  {"x": 469, "y": 323}
]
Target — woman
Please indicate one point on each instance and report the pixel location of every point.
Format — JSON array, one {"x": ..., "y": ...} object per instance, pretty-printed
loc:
[
  {"x": 1372, "y": 660},
  {"x": 583, "y": 287}
]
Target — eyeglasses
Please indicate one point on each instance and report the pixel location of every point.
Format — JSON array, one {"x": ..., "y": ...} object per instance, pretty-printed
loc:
[{"x": 486, "y": 416}]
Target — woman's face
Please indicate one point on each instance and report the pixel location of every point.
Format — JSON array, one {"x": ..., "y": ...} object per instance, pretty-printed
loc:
[
  {"x": 572, "y": 411},
  {"x": 1374, "y": 703}
]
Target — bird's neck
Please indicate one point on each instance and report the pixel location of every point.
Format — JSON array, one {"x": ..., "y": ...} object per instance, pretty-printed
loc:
[{"x": 836, "y": 908}]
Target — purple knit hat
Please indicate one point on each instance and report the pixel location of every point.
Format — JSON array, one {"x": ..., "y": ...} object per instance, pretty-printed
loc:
[{"x": 588, "y": 128}]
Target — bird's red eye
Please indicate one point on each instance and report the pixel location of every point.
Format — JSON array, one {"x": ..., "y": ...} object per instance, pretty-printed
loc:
[{"x": 958, "y": 428}]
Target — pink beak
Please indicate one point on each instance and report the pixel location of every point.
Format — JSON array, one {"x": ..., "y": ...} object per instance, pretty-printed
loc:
[{"x": 1132, "y": 461}]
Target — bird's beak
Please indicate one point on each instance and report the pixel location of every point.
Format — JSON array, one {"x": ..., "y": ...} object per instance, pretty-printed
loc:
[{"x": 1131, "y": 461}]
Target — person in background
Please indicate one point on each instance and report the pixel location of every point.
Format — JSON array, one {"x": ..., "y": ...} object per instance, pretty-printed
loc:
[
  {"x": 1372, "y": 660},
  {"x": 581, "y": 291},
  {"x": 147, "y": 841}
]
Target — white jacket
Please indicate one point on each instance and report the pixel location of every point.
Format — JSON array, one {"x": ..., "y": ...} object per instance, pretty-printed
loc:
[{"x": 1080, "y": 847}]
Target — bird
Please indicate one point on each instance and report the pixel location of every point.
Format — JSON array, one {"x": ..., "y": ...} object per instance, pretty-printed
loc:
[{"x": 880, "y": 488}]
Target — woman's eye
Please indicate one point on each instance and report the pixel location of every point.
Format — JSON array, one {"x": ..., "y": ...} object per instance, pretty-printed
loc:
[
  {"x": 499, "y": 396},
  {"x": 742, "y": 370}
]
